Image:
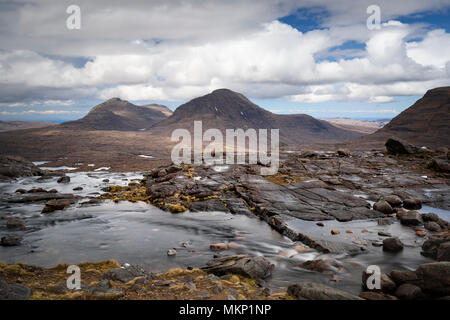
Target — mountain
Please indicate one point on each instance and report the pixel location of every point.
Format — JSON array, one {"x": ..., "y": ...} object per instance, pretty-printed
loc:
[
  {"x": 363, "y": 126},
  {"x": 426, "y": 122},
  {"x": 120, "y": 115},
  {"x": 21, "y": 125},
  {"x": 226, "y": 109}
]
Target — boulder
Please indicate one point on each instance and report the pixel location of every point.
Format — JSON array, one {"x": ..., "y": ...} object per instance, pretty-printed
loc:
[
  {"x": 393, "y": 200},
  {"x": 432, "y": 226},
  {"x": 403, "y": 276},
  {"x": 408, "y": 291},
  {"x": 383, "y": 206},
  {"x": 14, "y": 291},
  {"x": 323, "y": 265},
  {"x": 439, "y": 165},
  {"x": 434, "y": 278},
  {"x": 411, "y": 218},
  {"x": 443, "y": 252},
  {"x": 252, "y": 267},
  {"x": 392, "y": 245},
  {"x": 397, "y": 146},
  {"x": 14, "y": 167},
  {"x": 412, "y": 204},
  {"x": 431, "y": 246},
  {"x": 317, "y": 291},
  {"x": 387, "y": 285}
]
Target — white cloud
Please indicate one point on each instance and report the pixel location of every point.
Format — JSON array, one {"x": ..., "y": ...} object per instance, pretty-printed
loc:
[{"x": 216, "y": 44}]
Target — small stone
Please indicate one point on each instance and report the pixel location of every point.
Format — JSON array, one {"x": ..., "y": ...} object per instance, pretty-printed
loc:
[
  {"x": 217, "y": 288},
  {"x": 348, "y": 231},
  {"x": 63, "y": 179},
  {"x": 54, "y": 205},
  {"x": 392, "y": 245},
  {"x": 334, "y": 232},
  {"x": 218, "y": 246},
  {"x": 171, "y": 252},
  {"x": 11, "y": 240},
  {"x": 421, "y": 233},
  {"x": 301, "y": 248},
  {"x": 320, "y": 224},
  {"x": 14, "y": 223},
  {"x": 77, "y": 189},
  {"x": 384, "y": 234}
]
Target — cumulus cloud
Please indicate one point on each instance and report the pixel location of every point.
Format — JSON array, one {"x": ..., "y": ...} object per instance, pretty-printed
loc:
[{"x": 178, "y": 50}]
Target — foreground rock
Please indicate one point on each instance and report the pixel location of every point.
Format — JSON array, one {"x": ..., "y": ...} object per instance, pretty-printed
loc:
[
  {"x": 11, "y": 240},
  {"x": 14, "y": 291},
  {"x": 396, "y": 146},
  {"x": 103, "y": 280},
  {"x": 252, "y": 267},
  {"x": 429, "y": 281},
  {"x": 14, "y": 167},
  {"x": 392, "y": 245},
  {"x": 437, "y": 247},
  {"x": 316, "y": 291}
]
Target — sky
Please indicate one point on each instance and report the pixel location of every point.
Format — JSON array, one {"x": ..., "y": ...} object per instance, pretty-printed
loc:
[{"x": 317, "y": 57}]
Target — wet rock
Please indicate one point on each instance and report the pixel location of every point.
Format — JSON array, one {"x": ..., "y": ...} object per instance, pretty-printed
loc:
[
  {"x": 431, "y": 246},
  {"x": 14, "y": 291},
  {"x": 412, "y": 204},
  {"x": 54, "y": 205},
  {"x": 208, "y": 205},
  {"x": 171, "y": 252},
  {"x": 42, "y": 196},
  {"x": 334, "y": 231},
  {"x": 218, "y": 246},
  {"x": 386, "y": 283},
  {"x": 383, "y": 206},
  {"x": 14, "y": 223},
  {"x": 125, "y": 274},
  {"x": 411, "y": 218},
  {"x": 370, "y": 295},
  {"x": 317, "y": 291},
  {"x": 432, "y": 226},
  {"x": 21, "y": 191},
  {"x": 443, "y": 252},
  {"x": 252, "y": 267},
  {"x": 343, "y": 152},
  {"x": 403, "y": 276},
  {"x": 11, "y": 240},
  {"x": 439, "y": 165},
  {"x": 14, "y": 167},
  {"x": 63, "y": 179},
  {"x": 77, "y": 189},
  {"x": 421, "y": 233},
  {"x": 408, "y": 291},
  {"x": 320, "y": 224},
  {"x": 384, "y": 221},
  {"x": 323, "y": 265},
  {"x": 392, "y": 245},
  {"x": 397, "y": 146},
  {"x": 384, "y": 234},
  {"x": 393, "y": 200},
  {"x": 434, "y": 278}
]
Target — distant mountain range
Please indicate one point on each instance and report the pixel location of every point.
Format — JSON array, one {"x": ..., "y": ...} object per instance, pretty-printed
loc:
[
  {"x": 226, "y": 109},
  {"x": 120, "y": 115},
  {"x": 363, "y": 126},
  {"x": 21, "y": 125}
]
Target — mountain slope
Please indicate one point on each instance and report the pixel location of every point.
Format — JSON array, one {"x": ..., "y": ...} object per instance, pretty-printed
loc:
[
  {"x": 21, "y": 125},
  {"x": 225, "y": 109},
  {"x": 426, "y": 122},
  {"x": 117, "y": 114}
]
